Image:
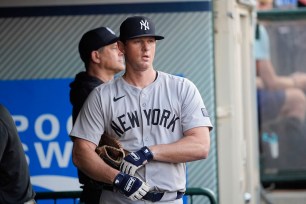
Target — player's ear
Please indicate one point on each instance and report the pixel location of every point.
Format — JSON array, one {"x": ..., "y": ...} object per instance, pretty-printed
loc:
[{"x": 96, "y": 57}]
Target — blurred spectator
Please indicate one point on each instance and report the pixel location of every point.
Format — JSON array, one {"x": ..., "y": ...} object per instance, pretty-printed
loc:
[
  {"x": 281, "y": 101},
  {"x": 288, "y": 100}
]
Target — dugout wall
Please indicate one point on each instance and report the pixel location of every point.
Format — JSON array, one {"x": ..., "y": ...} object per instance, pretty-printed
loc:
[
  {"x": 236, "y": 102},
  {"x": 39, "y": 58}
]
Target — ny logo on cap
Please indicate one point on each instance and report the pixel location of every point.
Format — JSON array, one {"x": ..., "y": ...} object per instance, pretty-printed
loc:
[{"x": 144, "y": 25}]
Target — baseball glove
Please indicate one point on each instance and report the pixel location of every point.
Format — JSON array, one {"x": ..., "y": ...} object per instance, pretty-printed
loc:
[{"x": 111, "y": 151}]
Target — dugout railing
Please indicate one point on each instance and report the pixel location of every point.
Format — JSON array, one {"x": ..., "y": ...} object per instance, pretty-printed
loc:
[{"x": 75, "y": 195}]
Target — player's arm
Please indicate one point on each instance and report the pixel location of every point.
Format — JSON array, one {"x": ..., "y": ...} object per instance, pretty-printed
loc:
[
  {"x": 87, "y": 160},
  {"x": 193, "y": 146}
]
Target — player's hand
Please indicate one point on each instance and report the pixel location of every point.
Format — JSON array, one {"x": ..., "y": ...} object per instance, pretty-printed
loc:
[
  {"x": 135, "y": 160},
  {"x": 131, "y": 186}
]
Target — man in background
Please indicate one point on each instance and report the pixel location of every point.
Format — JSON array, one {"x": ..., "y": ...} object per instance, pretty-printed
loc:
[{"x": 102, "y": 60}]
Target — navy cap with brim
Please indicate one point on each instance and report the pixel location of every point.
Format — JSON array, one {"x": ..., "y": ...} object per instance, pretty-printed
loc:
[
  {"x": 94, "y": 40},
  {"x": 136, "y": 27}
]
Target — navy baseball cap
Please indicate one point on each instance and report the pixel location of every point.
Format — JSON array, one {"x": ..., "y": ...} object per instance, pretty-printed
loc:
[
  {"x": 95, "y": 39},
  {"x": 138, "y": 26}
]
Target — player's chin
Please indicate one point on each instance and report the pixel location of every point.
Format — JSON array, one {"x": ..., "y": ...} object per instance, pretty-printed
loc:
[
  {"x": 146, "y": 63},
  {"x": 120, "y": 66}
]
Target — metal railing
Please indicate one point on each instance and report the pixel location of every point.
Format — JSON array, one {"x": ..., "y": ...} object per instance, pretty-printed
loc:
[
  {"x": 75, "y": 195},
  {"x": 203, "y": 192},
  {"x": 55, "y": 196}
]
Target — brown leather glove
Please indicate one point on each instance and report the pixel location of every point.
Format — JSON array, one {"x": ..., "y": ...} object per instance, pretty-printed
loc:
[{"x": 111, "y": 151}]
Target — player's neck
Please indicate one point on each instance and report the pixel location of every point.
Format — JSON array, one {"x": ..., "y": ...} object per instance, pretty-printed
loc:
[{"x": 140, "y": 79}]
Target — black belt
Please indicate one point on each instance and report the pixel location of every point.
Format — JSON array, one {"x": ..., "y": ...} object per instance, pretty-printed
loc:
[
  {"x": 152, "y": 196},
  {"x": 157, "y": 196}
]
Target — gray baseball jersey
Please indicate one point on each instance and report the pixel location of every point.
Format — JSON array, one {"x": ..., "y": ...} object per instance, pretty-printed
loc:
[{"x": 158, "y": 114}]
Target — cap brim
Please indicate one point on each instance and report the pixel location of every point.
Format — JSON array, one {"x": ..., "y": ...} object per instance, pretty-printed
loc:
[
  {"x": 157, "y": 37},
  {"x": 111, "y": 41}
]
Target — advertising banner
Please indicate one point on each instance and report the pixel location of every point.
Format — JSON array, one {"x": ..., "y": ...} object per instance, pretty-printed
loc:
[{"x": 42, "y": 113}]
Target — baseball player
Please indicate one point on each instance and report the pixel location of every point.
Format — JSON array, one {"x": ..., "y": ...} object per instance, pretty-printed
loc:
[{"x": 159, "y": 118}]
